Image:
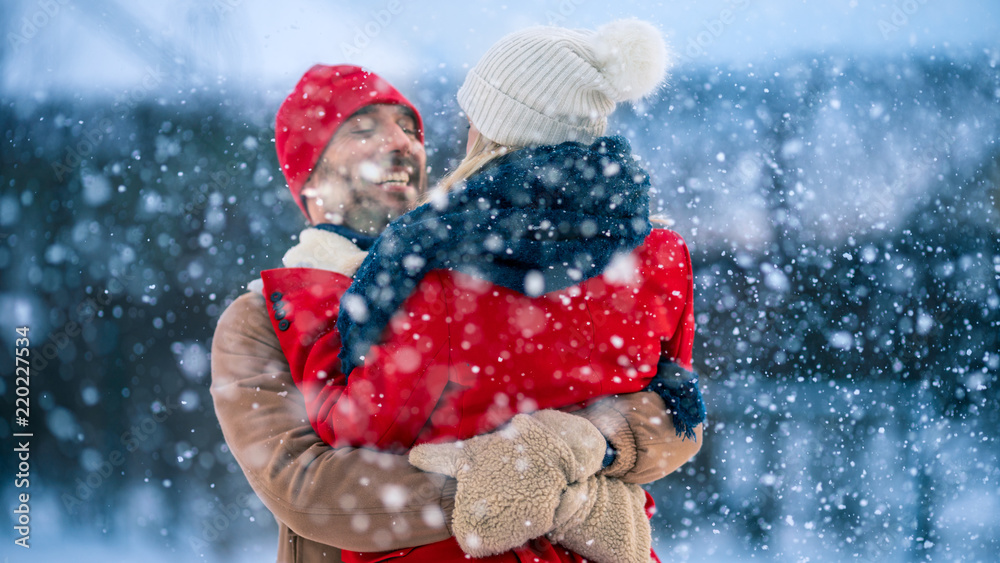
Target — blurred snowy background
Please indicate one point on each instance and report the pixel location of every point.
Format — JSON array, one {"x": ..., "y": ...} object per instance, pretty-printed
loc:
[{"x": 833, "y": 164}]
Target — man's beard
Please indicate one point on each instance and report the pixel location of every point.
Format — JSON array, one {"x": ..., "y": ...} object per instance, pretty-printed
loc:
[
  {"x": 411, "y": 165},
  {"x": 362, "y": 204},
  {"x": 368, "y": 214}
]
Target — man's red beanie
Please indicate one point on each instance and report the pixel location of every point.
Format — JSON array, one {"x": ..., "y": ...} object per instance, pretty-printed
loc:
[{"x": 323, "y": 99}]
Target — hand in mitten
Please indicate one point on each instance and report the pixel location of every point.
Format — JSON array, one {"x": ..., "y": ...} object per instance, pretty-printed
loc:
[
  {"x": 604, "y": 520},
  {"x": 510, "y": 482}
]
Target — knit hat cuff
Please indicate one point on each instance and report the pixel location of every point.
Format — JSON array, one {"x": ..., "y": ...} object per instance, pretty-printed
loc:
[{"x": 505, "y": 120}]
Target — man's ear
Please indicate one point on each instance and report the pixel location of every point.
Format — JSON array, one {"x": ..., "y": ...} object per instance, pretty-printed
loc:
[
  {"x": 314, "y": 213},
  {"x": 309, "y": 213}
]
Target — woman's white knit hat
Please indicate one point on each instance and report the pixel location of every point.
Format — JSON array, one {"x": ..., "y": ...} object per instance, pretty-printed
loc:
[{"x": 548, "y": 85}]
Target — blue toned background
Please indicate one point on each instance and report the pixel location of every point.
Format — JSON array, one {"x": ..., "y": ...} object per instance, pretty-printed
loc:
[{"x": 833, "y": 165}]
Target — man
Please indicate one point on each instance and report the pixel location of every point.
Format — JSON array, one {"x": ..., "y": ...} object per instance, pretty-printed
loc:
[
  {"x": 351, "y": 148},
  {"x": 347, "y": 140}
]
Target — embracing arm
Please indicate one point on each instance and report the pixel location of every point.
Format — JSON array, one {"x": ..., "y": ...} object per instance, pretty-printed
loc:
[
  {"x": 639, "y": 428},
  {"x": 385, "y": 402},
  {"x": 639, "y": 425},
  {"x": 348, "y": 498}
]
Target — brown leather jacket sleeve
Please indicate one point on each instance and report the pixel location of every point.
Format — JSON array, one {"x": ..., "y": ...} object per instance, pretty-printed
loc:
[
  {"x": 350, "y": 498},
  {"x": 638, "y": 427}
]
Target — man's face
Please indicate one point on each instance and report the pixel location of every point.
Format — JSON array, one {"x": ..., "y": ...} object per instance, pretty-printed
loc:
[{"x": 371, "y": 172}]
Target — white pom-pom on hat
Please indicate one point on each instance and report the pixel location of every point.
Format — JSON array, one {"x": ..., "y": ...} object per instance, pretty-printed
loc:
[{"x": 633, "y": 56}]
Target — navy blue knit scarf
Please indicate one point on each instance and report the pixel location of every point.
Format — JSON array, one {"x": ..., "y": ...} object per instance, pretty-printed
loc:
[
  {"x": 361, "y": 240},
  {"x": 537, "y": 220}
]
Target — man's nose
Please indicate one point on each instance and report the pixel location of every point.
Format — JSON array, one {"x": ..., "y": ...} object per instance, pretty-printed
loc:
[{"x": 396, "y": 139}]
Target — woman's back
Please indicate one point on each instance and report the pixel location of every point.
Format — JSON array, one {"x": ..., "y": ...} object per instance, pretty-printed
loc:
[
  {"x": 509, "y": 353},
  {"x": 463, "y": 356}
]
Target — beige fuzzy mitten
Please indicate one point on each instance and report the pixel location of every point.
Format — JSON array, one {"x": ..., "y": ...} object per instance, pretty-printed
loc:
[
  {"x": 604, "y": 520},
  {"x": 510, "y": 482}
]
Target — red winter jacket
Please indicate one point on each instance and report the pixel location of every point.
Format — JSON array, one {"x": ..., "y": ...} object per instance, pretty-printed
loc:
[{"x": 463, "y": 356}]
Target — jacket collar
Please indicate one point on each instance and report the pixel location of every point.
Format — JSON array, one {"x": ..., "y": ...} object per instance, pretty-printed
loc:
[{"x": 323, "y": 249}]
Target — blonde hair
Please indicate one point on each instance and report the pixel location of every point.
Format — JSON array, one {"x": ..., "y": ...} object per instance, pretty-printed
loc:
[{"x": 483, "y": 152}]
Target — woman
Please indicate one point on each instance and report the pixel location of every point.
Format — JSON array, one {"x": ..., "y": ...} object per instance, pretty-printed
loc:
[{"x": 531, "y": 282}]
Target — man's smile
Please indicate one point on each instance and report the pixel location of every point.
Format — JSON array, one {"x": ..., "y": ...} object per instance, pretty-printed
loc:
[{"x": 395, "y": 178}]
